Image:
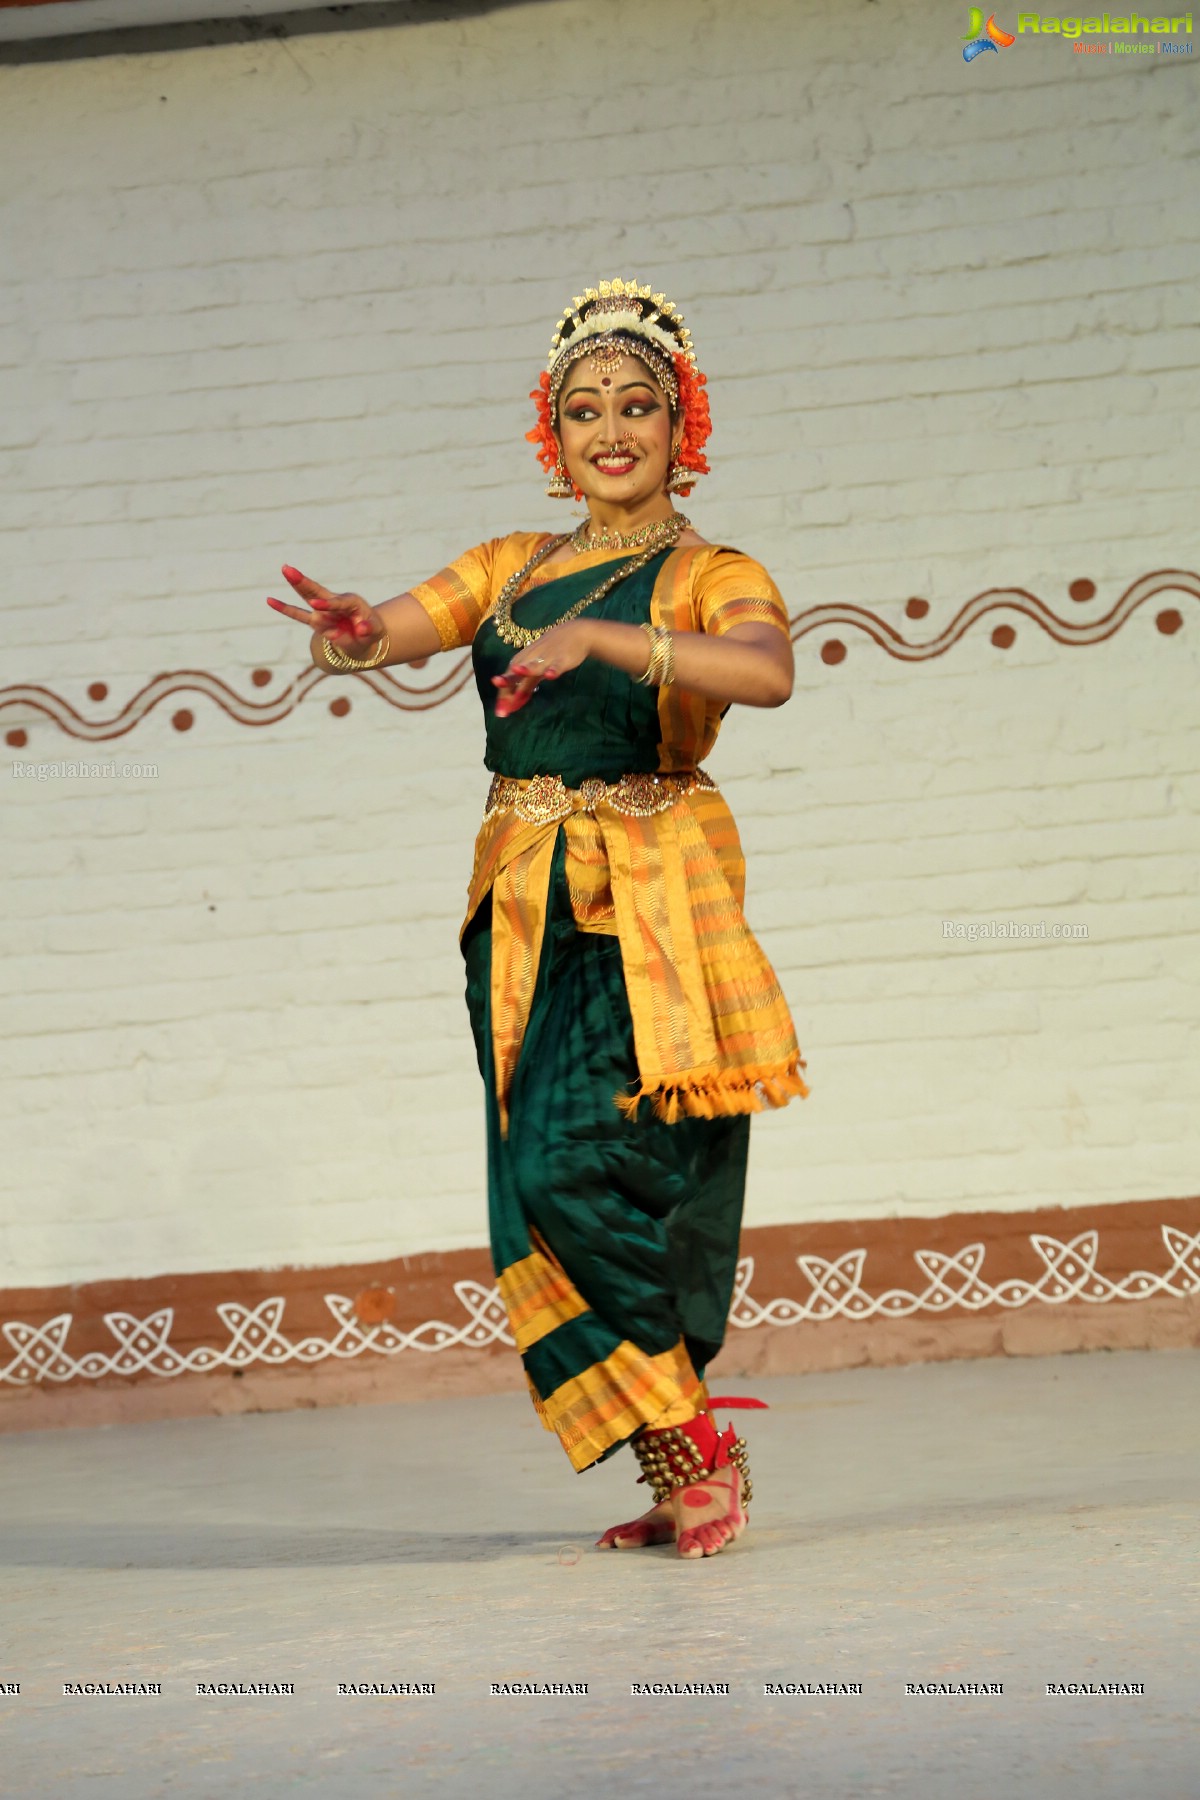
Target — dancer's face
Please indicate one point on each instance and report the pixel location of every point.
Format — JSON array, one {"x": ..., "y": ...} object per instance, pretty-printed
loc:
[{"x": 616, "y": 432}]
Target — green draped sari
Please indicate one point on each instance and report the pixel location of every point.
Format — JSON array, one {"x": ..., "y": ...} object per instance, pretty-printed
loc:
[{"x": 632, "y": 1222}]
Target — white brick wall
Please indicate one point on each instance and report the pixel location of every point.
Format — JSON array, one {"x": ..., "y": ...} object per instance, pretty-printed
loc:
[{"x": 285, "y": 301}]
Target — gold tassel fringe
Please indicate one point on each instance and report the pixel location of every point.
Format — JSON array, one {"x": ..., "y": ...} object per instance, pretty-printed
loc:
[{"x": 720, "y": 1094}]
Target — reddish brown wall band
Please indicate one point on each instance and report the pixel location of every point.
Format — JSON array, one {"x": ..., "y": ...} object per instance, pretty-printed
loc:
[{"x": 809, "y": 1297}]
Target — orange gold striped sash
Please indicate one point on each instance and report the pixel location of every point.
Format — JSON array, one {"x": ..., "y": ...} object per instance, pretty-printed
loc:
[{"x": 712, "y": 1030}]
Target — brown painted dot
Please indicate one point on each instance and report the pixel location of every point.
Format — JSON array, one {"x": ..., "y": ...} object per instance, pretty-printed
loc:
[
  {"x": 1004, "y": 637},
  {"x": 697, "y": 1497},
  {"x": 98, "y": 690},
  {"x": 260, "y": 677},
  {"x": 374, "y": 1305},
  {"x": 1169, "y": 621},
  {"x": 833, "y": 651},
  {"x": 16, "y": 738},
  {"x": 916, "y": 609},
  {"x": 339, "y": 707},
  {"x": 1083, "y": 589},
  {"x": 183, "y": 720}
]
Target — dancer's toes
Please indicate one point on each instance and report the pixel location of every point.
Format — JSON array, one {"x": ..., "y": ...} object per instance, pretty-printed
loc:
[
  {"x": 706, "y": 1540},
  {"x": 709, "y": 1513},
  {"x": 654, "y": 1527}
]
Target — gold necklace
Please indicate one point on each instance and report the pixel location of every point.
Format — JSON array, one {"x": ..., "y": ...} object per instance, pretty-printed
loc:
[
  {"x": 520, "y": 636},
  {"x": 605, "y": 539}
]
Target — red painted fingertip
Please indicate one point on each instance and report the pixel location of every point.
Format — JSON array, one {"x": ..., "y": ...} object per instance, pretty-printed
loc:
[{"x": 292, "y": 574}]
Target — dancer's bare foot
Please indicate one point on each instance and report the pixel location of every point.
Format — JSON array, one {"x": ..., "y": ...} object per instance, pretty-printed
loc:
[
  {"x": 709, "y": 1513},
  {"x": 654, "y": 1527}
]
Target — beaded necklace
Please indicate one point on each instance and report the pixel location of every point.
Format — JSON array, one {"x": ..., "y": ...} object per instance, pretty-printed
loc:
[
  {"x": 604, "y": 539},
  {"x": 666, "y": 531}
]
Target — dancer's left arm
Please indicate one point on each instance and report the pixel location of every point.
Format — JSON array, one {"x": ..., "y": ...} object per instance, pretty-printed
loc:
[{"x": 750, "y": 665}]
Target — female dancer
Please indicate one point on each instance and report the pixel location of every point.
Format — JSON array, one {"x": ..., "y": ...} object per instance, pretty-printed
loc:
[{"x": 626, "y": 1022}]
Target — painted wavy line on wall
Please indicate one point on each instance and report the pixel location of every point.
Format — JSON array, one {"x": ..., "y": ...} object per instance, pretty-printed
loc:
[
  {"x": 825, "y": 620},
  {"x": 255, "y": 1334},
  {"x": 1012, "y": 600},
  {"x": 242, "y": 710}
]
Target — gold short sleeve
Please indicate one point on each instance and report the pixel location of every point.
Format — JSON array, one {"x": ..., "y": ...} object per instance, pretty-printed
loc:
[
  {"x": 462, "y": 594},
  {"x": 458, "y": 598},
  {"x": 732, "y": 589}
]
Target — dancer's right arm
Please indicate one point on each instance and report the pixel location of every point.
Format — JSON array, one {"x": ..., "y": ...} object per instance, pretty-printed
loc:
[{"x": 355, "y": 627}]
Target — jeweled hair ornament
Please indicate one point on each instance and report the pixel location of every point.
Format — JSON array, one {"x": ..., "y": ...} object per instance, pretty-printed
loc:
[{"x": 615, "y": 319}]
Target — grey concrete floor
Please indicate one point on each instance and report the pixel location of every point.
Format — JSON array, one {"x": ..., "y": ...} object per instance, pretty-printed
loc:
[{"x": 1021, "y": 1522}]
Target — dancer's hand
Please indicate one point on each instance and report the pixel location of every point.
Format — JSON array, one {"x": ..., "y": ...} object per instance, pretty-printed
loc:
[
  {"x": 555, "y": 653},
  {"x": 345, "y": 619}
]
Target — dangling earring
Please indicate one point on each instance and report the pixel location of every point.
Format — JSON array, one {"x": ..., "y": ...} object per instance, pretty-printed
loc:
[
  {"x": 677, "y": 476},
  {"x": 560, "y": 486}
]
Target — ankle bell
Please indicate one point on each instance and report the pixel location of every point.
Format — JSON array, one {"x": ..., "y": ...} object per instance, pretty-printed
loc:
[{"x": 677, "y": 1455}]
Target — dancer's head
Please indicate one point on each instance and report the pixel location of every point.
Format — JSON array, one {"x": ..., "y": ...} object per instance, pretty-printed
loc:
[{"x": 621, "y": 373}]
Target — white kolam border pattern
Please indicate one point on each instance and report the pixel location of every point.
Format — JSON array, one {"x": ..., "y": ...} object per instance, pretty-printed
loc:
[{"x": 255, "y": 1334}]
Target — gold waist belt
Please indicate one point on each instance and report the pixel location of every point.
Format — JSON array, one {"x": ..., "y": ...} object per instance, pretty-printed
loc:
[{"x": 543, "y": 799}]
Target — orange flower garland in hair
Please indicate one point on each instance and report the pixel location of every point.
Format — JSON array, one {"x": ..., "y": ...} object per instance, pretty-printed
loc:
[
  {"x": 693, "y": 404},
  {"x": 543, "y": 431},
  {"x": 697, "y": 421}
]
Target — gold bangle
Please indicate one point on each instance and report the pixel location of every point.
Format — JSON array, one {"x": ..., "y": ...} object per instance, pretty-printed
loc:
[
  {"x": 649, "y": 675},
  {"x": 660, "y": 666},
  {"x": 643, "y": 680},
  {"x": 660, "y": 658},
  {"x": 336, "y": 659}
]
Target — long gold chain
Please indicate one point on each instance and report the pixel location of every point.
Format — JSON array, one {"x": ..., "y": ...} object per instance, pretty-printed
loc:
[{"x": 520, "y": 636}]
